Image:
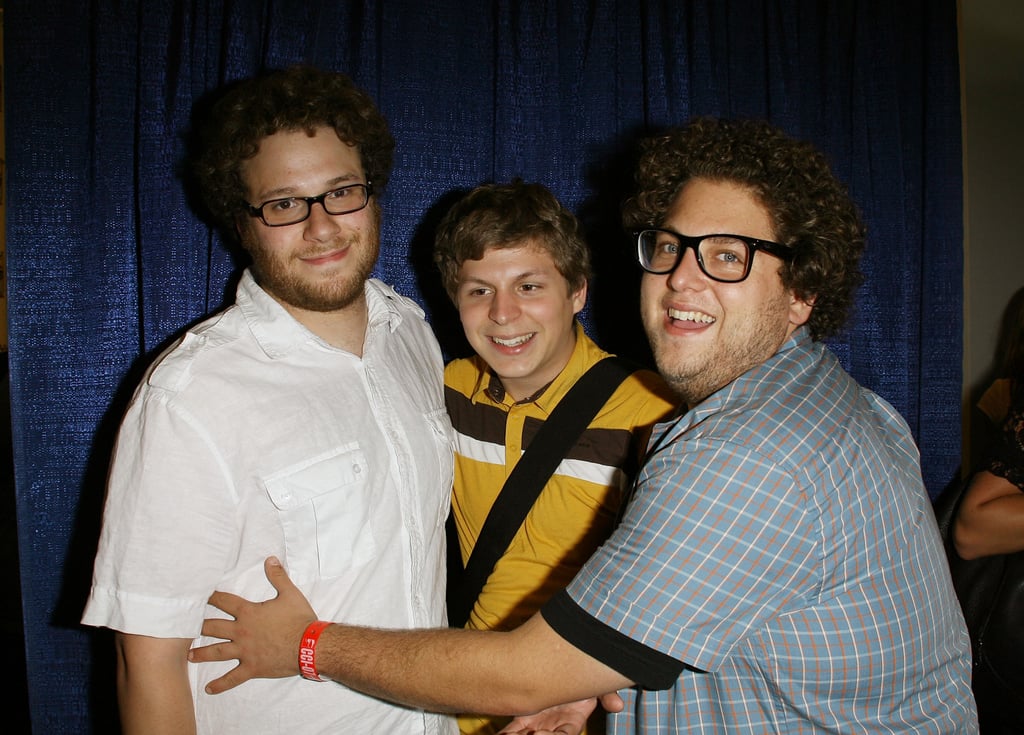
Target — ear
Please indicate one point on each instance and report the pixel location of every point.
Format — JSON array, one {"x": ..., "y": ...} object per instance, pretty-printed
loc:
[
  {"x": 242, "y": 225},
  {"x": 800, "y": 309},
  {"x": 579, "y": 298}
]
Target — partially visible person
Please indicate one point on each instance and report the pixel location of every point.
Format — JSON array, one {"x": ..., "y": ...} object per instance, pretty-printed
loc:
[
  {"x": 994, "y": 404},
  {"x": 989, "y": 527},
  {"x": 990, "y": 519},
  {"x": 306, "y": 420},
  {"x": 778, "y": 568},
  {"x": 988, "y": 531},
  {"x": 515, "y": 264}
]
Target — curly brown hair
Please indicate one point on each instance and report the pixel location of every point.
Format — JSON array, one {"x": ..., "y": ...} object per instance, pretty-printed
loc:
[
  {"x": 810, "y": 209},
  {"x": 299, "y": 97},
  {"x": 509, "y": 216}
]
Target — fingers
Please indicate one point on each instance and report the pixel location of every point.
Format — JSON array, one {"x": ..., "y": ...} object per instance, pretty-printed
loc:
[
  {"x": 229, "y": 681},
  {"x": 562, "y": 719},
  {"x": 219, "y": 628},
  {"x": 212, "y": 652},
  {"x": 253, "y": 635},
  {"x": 612, "y": 702},
  {"x": 229, "y": 603},
  {"x": 287, "y": 592},
  {"x": 219, "y": 652},
  {"x": 276, "y": 575}
]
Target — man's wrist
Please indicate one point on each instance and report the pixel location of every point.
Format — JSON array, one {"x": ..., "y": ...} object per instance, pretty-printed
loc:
[{"x": 307, "y": 651}]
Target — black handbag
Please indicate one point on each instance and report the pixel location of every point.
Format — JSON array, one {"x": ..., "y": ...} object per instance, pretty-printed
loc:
[{"x": 991, "y": 594}]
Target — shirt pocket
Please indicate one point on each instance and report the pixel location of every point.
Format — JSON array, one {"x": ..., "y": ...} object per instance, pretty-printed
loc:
[{"x": 325, "y": 513}]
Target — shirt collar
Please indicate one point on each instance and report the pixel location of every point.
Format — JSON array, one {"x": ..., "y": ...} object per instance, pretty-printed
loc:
[
  {"x": 278, "y": 333},
  {"x": 585, "y": 353},
  {"x": 385, "y": 305},
  {"x": 781, "y": 363}
]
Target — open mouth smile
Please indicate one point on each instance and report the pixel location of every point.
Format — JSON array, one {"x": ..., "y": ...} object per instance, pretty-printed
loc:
[
  {"x": 513, "y": 341},
  {"x": 691, "y": 316}
]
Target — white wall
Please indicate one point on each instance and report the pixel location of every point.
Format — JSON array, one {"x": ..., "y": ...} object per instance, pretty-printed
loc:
[{"x": 992, "y": 77}]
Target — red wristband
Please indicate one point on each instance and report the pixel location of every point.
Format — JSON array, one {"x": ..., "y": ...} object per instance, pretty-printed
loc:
[{"x": 307, "y": 651}]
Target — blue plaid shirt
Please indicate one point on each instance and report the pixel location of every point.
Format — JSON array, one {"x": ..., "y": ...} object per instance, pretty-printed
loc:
[{"x": 778, "y": 569}]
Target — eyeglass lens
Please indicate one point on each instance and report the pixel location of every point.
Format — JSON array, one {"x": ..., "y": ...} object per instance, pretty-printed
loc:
[
  {"x": 291, "y": 210},
  {"x": 722, "y": 257}
]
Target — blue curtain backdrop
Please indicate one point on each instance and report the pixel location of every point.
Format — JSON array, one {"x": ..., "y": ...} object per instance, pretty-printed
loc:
[{"x": 107, "y": 260}]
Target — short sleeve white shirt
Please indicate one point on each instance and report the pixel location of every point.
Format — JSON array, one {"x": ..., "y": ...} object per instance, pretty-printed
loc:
[{"x": 251, "y": 437}]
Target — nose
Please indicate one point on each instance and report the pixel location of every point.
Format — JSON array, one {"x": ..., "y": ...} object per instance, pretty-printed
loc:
[
  {"x": 320, "y": 225},
  {"x": 503, "y": 308},
  {"x": 688, "y": 273}
]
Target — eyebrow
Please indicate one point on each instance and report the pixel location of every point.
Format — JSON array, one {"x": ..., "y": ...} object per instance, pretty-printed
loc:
[
  {"x": 289, "y": 191},
  {"x": 518, "y": 278}
]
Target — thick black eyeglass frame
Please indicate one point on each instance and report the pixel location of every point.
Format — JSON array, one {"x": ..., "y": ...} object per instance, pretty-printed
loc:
[
  {"x": 686, "y": 241},
  {"x": 310, "y": 201}
]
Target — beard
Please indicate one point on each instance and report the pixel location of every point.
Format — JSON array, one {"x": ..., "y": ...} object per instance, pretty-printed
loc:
[
  {"x": 695, "y": 375},
  {"x": 279, "y": 275}
]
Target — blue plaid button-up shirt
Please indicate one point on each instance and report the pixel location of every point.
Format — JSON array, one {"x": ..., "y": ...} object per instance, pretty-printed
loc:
[{"x": 778, "y": 569}]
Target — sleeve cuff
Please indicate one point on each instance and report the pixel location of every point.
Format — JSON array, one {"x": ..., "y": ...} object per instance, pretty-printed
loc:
[{"x": 646, "y": 667}]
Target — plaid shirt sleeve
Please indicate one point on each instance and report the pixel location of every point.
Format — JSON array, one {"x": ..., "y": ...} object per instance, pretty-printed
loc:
[{"x": 716, "y": 540}]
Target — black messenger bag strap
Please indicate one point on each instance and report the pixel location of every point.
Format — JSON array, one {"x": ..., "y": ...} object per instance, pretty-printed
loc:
[{"x": 547, "y": 449}]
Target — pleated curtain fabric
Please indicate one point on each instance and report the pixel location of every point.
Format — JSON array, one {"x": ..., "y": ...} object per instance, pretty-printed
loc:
[{"x": 108, "y": 258}]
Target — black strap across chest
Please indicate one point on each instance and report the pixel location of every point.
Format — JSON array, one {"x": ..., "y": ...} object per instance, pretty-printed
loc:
[{"x": 548, "y": 448}]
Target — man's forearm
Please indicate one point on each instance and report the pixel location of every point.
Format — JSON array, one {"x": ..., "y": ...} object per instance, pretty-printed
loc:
[
  {"x": 441, "y": 670},
  {"x": 448, "y": 670}
]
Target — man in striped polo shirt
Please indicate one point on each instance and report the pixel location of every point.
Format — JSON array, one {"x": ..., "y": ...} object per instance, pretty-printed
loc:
[
  {"x": 778, "y": 569},
  {"x": 514, "y": 263}
]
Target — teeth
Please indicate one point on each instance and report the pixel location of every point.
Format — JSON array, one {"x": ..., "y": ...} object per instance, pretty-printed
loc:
[
  {"x": 691, "y": 316},
  {"x": 514, "y": 342}
]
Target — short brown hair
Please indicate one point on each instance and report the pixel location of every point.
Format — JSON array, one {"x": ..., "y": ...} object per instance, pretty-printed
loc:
[
  {"x": 297, "y": 98},
  {"x": 508, "y": 216},
  {"x": 810, "y": 209}
]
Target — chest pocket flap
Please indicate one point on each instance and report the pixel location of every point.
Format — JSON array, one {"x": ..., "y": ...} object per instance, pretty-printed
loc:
[{"x": 325, "y": 512}]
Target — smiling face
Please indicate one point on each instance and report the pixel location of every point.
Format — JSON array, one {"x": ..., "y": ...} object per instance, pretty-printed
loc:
[
  {"x": 320, "y": 264},
  {"x": 705, "y": 334},
  {"x": 519, "y": 315}
]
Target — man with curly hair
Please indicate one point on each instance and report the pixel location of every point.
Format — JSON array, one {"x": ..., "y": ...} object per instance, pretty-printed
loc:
[
  {"x": 307, "y": 419},
  {"x": 778, "y": 569}
]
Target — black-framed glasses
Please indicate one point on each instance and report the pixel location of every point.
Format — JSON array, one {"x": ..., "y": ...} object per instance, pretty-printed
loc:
[
  {"x": 292, "y": 210},
  {"x": 721, "y": 257}
]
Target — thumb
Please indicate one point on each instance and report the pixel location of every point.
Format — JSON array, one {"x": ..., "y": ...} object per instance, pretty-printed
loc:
[
  {"x": 612, "y": 702},
  {"x": 278, "y": 577}
]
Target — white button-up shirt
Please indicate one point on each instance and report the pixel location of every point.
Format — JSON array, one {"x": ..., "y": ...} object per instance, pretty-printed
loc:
[{"x": 254, "y": 437}]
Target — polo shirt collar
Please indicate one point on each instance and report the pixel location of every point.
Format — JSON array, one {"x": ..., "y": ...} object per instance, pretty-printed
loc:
[{"x": 490, "y": 389}]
